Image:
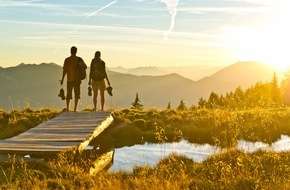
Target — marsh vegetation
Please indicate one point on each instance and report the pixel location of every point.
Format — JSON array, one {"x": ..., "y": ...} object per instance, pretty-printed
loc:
[{"x": 231, "y": 169}]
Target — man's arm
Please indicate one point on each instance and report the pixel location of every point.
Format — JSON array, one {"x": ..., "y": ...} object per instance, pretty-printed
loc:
[{"x": 63, "y": 75}]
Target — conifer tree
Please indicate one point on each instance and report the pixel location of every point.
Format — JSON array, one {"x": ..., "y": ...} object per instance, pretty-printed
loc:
[
  {"x": 275, "y": 91},
  {"x": 136, "y": 104},
  {"x": 169, "y": 106},
  {"x": 202, "y": 103},
  {"x": 182, "y": 106},
  {"x": 213, "y": 100},
  {"x": 285, "y": 86}
]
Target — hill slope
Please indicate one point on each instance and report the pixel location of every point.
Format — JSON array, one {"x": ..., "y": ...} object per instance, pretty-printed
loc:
[
  {"x": 243, "y": 74},
  {"x": 39, "y": 86}
]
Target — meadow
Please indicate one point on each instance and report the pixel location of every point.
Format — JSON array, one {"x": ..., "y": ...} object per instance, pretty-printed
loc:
[
  {"x": 230, "y": 169},
  {"x": 17, "y": 121},
  {"x": 221, "y": 127}
]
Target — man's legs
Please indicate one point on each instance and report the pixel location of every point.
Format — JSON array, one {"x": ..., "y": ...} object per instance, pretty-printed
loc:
[
  {"x": 69, "y": 88},
  {"x": 67, "y": 104},
  {"x": 77, "y": 90},
  {"x": 76, "y": 104}
]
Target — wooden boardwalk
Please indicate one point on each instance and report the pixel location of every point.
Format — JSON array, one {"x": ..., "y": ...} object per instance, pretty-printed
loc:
[{"x": 68, "y": 130}]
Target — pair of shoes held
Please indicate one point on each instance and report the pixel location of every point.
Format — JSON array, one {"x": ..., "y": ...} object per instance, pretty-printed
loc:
[
  {"x": 61, "y": 94},
  {"x": 109, "y": 89}
]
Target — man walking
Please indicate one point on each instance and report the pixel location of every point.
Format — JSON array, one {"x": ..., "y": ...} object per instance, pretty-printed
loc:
[{"x": 73, "y": 83}]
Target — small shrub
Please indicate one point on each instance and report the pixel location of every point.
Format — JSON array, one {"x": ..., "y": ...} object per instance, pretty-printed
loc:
[{"x": 140, "y": 123}]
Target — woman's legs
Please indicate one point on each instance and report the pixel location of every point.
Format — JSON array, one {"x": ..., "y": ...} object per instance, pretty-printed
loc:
[
  {"x": 99, "y": 86},
  {"x": 102, "y": 93},
  {"x": 95, "y": 97}
]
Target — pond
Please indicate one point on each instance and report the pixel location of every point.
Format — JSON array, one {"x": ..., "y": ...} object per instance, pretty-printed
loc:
[{"x": 126, "y": 158}]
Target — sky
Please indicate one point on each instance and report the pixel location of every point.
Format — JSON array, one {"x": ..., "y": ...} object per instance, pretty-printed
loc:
[{"x": 136, "y": 33}]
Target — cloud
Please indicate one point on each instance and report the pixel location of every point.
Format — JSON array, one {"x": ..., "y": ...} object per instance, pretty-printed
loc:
[
  {"x": 9, "y": 3},
  {"x": 260, "y": 2},
  {"x": 172, "y": 9},
  {"x": 235, "y": 10},
  {"x": 124, "y": 37},
  {"x": 54, "y": 9}
]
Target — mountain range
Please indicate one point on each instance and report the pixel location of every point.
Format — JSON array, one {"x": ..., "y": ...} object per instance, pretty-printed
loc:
[
  {"x": 37, "y": 86},
  {"x": 193, "y": 72}
]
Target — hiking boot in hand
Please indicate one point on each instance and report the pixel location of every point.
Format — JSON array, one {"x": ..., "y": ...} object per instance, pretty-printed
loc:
[
  {"x": 89, "y": 91},
  {"x": 61, "y": 94}
]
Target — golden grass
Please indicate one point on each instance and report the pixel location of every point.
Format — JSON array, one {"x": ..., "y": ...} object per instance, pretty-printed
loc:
[{"x": 232, "y": 169}]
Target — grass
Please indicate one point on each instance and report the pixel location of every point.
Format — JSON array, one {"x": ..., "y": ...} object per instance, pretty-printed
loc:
[
  {"x": 18, "y": 121},
  {"x": 231, "y": 169},
  {"x": 221, "y": 127}
]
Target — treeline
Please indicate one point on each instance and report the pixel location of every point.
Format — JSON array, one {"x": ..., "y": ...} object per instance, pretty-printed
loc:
[
  {"x": 263, "y": 94},
  {"x": 267, "y": 95}
]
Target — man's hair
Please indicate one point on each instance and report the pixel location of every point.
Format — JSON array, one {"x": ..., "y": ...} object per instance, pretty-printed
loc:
[
  {"x": 73, "y": 50},
  {"x": 98, "y": 54}
]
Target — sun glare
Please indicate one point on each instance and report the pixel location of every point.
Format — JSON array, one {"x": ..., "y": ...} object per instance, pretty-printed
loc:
[{"x": 267, "y": 43}]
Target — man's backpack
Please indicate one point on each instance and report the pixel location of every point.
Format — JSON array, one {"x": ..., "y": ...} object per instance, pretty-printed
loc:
[{"x": 81, "y": 69}]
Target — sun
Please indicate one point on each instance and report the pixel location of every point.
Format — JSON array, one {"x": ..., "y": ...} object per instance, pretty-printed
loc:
[{"x": 267, "y": 43}]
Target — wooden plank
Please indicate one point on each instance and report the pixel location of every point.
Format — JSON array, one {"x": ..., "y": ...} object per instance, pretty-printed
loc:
[
  {"x": 35, "y": 145},
  {"x": 101, "y": 162},
  {"x": 14, "y": 147},
  {"x": 68, "y": 130},
  {"x": 61, "y": 131},
  {"x": 106, "y": 122}
]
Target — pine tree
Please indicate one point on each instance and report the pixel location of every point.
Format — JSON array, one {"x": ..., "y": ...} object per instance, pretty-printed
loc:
[
  {"x": 202, "y": 103},
  {"x": 169, "y": 106},
  {"x": 136, "y": 104},
  {"x": 213, "y": 100},
  {"x": 275, "y": 91},
  {"x": 285, "y": 86},
  {"x": 182, "y": 106}
]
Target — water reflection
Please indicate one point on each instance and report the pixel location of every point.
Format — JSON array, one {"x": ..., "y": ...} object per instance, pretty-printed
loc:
[
  {"x": 130, "y": 151},
  {"x": 149, "y": 154},
  {"x": 283, "y": 144}
]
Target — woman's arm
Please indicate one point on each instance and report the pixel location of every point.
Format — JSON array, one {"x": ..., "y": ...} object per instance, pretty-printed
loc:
[
  {"x": 90, "y": 74},
  {"x": 106, "y": 76}
]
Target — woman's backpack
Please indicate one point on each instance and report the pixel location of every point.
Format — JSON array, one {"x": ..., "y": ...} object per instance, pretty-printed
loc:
[{"x": 98, "y": 70}]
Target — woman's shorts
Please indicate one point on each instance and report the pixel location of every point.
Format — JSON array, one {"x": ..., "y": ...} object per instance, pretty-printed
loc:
[{"x": 99, "y": 85}]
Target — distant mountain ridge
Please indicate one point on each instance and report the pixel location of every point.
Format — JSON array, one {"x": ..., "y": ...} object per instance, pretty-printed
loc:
[
  {"x": 193, "y": 72},
  {"x": 38, "y": 86}
]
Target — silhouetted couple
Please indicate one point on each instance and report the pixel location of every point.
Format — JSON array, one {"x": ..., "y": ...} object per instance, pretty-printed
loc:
[{"x": 97, "y": 78}]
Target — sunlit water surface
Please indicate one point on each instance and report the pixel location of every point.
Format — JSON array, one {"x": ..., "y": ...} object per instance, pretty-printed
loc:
[{"x": 149, "y": 154}]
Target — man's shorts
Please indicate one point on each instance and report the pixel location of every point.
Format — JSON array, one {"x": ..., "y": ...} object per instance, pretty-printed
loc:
[
  {"x": 77, "y": 90},
  {"x": 98, "y": 85}
]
